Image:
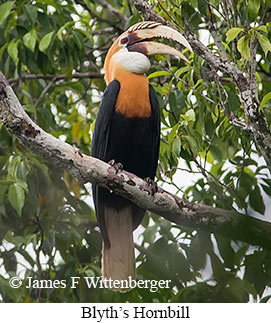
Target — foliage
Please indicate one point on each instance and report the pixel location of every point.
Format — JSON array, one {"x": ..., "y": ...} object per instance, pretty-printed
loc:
[{"x": 47, "y": 224}]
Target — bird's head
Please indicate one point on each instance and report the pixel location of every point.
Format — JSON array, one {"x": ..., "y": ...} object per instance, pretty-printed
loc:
[{"x": 129, "y": 52}]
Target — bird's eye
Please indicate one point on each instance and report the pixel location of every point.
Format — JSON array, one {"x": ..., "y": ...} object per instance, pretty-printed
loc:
[{"x": 124, "y": 40}]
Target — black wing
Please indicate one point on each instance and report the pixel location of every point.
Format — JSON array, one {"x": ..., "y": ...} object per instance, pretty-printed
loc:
[
  {"x": 103, "y": 121},
  {"x": 154, "y": 145},
  {"x": 156, "y": 126},
  {"x": 99, "y": 144}
]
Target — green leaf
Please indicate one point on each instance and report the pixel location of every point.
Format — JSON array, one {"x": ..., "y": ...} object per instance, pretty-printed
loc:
[
  {"x": 172, "y": 100},
  {"x": 22, "y": 184},
  {"x": 262, "y": 28},
  {"x": 176, "y": 147},
  {"x": 243, "y": 47},
  {"x": 226, "y": 250},
  {"x": 158, "y": 73},
  {"x": 172, "y": 134},
  {"x": 31, "y": 12},
  {"x": 30, "y": 39},
  {"x": 217, "y": 267},
  {"x": 10, "y": 261},
  {"x": 16, "y": 197},
  {"x": 30, "y": 108},
  {"x": 5, "y": 10},
  {"x": 267, "y": 181},
  {"x": 265, "y": 99},
  {"x": 87, "y": 35},
  {"x": 267, "y": 189},
  {"x": 150, "y": 233},
  {"x": 45, "y": 41},
  {"x": 3, "y": 189},
  {"x": 232, "y": 103},
  {"x": 2, "y": 49},
  {"x": 189, "y": 115},
  {"x": 13, "y": 165},
  {"x": 193, "y": 144},
  {"x": 232, "y": 34},
  {"x": 13, "y": 51},
  {"x": 264, "y": 42},
  {"x": 60, "y": 33},
  {"x": 202, "y": 6},
  {"x": 78, "y": 39},
  {"x": 196, "y": 253},
  {"x": 253, "y": 8},
  {"x": 176, "y": 102},
  {"x": 237, "y": 290},
  {"x": 256, "y": 200},
  {"x": 76, "y": 131}
]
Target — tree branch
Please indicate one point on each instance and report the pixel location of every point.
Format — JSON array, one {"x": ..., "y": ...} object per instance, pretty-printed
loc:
[
  {"x": 256, "y": 120},
  {"x": 88, "y": 169},
  {"x": 91, "y": 75},
  {"x": 112, "y": 10}
]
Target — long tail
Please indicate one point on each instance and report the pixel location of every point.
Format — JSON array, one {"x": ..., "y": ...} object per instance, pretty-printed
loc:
[{"x": 118, "y": 261}]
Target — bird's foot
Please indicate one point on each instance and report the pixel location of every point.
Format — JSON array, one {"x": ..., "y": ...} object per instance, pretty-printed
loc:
[
  {"x": 152, "y": 186},
  {"x": 117, "y": 166}
]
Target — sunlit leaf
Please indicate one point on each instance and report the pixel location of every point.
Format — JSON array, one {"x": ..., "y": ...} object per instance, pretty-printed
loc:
[
  {"x": 176, "y": 147},
  {"x": 5, "y": 10},
  {"x": 265, "y": 43},
  {"x": 253, "y": 8},
  {"x": 30, "y": 39},
  {"x": 157, "y": 74},
  {"x": 265, "y": 99},
  {"x": 233, "y": 33},
  {"x": 45, "y": 41},
  {"x": 16, "y": 197},
  {"x": 243, "y": 47},
  {"x": 13, "y": 51},
  {"x": 189, "y": 115}
]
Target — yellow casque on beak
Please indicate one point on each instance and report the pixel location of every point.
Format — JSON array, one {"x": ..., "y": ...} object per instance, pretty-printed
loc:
[{"x": 141, "y": 36}]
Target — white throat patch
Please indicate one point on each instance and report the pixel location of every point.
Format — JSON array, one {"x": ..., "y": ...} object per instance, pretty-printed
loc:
[{"x": 133, "y": 61}]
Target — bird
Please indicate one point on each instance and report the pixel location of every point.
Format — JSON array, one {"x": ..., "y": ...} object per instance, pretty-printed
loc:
[{"x": 127, "y": 131}]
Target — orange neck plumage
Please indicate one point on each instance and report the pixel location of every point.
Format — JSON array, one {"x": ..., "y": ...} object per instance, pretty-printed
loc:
[{"x": 133, "y": 99}]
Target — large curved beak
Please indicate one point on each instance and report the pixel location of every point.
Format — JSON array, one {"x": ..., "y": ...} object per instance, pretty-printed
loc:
[{"x": 141, "y": 36}]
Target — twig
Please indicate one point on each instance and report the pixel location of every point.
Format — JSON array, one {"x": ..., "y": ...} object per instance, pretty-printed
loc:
[
  {"x": 44, "y": 91},
  {"x": 212, "y": 6},
  {"x": 91, "y": 75},
  {"x": 232, "y": 117},
  {"x": 101, "y": 31},
  {"x": 213, "y": 31},
  {"x": 113, "y": 11},
  {"x": 212, "y": 139},
  {"x": 190, "y": 87}
]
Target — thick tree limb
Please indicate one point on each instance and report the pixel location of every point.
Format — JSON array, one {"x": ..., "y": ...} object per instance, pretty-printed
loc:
[
  {"x": 88, "y": 169},
  {"x": 256, "y": 123}
]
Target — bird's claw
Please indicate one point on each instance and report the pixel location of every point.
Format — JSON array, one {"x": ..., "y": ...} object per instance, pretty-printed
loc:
[
  {"x": 152, "y": 185},
  {"x": 117, "y": 166}
]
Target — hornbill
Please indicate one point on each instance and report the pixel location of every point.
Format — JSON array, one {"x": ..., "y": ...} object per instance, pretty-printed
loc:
[{"x": 127, "y": 130}]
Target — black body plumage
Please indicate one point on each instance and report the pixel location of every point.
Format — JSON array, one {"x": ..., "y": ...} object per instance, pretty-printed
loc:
[{"x": 133, "y": 142}]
